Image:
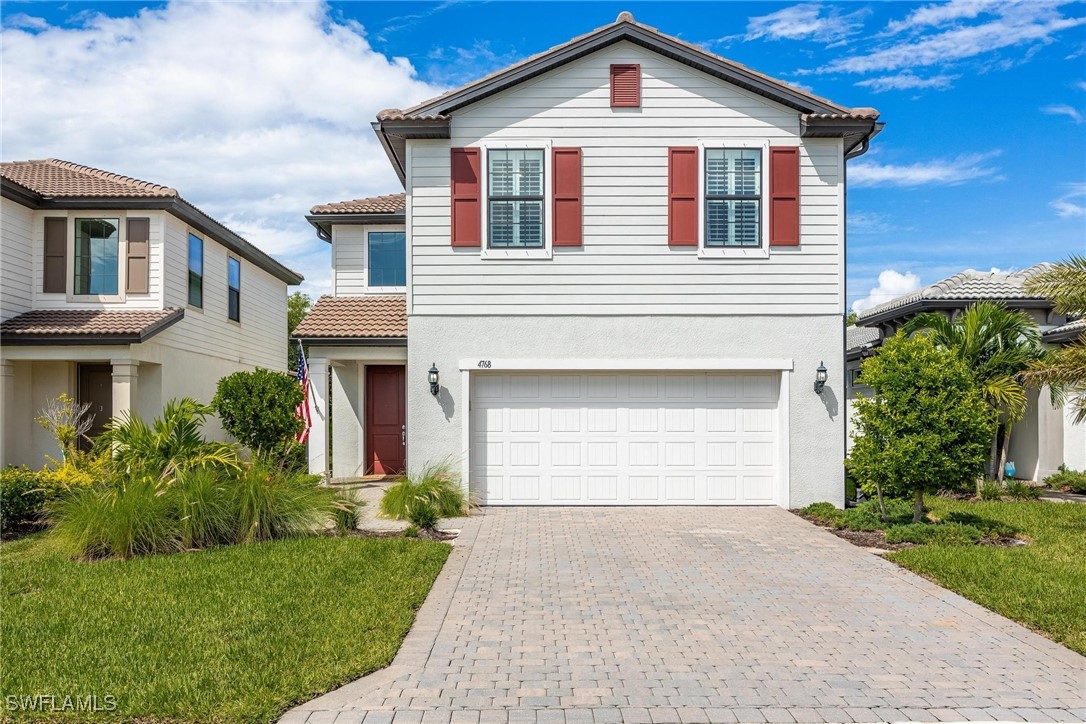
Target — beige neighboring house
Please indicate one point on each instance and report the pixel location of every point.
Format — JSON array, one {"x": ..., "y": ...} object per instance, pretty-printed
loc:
[
  {"x": 123, "y": 295},
  {"x": 1047, "y": 436}
]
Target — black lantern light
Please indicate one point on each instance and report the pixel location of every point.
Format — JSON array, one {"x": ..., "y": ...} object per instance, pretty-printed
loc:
[
  {"x": 820, "y": 378},
  {"x": 432, "y": 377}
]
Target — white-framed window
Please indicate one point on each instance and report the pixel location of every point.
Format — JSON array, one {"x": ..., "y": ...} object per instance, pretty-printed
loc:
[
  {"x": 517, "y": 184},
  {"x": 733, "y": 186},
  {"x": 233, "y": 289},
  {"x": 386, "y": 259},
  {"x": 196, "y": 271},
  {"x": 96, "y": 271}
]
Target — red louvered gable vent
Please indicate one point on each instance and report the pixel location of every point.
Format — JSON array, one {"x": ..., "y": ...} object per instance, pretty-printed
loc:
[{"x": 626, "y": 86}]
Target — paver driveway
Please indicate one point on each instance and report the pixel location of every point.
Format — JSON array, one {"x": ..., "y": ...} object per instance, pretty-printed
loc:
[{"x": 698, "y": 614}]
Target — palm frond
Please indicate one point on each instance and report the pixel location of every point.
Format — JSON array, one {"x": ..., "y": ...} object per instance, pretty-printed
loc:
[{"x": 1064, "y": 283}]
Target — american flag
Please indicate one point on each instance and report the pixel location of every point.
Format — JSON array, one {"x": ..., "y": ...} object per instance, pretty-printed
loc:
[{"x": 303, "y": 407}]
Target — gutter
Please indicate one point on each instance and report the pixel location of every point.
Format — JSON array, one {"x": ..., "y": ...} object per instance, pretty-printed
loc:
[
  {"x": 352, "y": 341},
  {"x": 323, "y": 222}
]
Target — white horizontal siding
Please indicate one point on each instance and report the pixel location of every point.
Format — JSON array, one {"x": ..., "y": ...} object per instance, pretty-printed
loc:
[
  {"x": 260, "y": 340},
  {"x": 16, "y": 259},
  {"x": 625, "y": 265}
]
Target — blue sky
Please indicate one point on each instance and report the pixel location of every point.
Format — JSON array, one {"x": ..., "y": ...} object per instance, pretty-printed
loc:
[{"x": 257, "y": 111}]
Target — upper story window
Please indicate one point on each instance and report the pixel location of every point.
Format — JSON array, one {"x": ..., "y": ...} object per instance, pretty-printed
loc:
[
  {"x": 515, "y": 198},
  {"x": 386, "y": 261},
  {"x": 97, "y": 263},
  {"x": 733, "y": 197},
  {"x": 196, "y": 271},
  {"x": 233, "y": 284}
]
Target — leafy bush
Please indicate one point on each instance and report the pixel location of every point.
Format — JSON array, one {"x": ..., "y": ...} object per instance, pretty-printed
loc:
[
  {"x": 948, "y": 534},
  {"x": 825, "y": 513},
  {"x": 22, "y": 498},
  {"x": 990, "y": 490},
  {"x": 171, "y": 443},
  {"x": 258, "y": 408},
  {"x": 271, "y": 503},
  {"x": 865, "y": 516},
  {"x": 1073, "y": 480},
  {"x": 436, "y": 485},
  {"x": 1021, "y": 490},
  {"x": 926, "y": 427}
]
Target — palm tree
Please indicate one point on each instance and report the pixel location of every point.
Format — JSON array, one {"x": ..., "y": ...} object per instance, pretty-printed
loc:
[
  {"x": 1064, "y": 370},
  {"x": 998, "y": 345}
]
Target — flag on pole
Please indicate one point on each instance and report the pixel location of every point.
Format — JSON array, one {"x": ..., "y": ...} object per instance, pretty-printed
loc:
[{"x": 303, "y": 407}]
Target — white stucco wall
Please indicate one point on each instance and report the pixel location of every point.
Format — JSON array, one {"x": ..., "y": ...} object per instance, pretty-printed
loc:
[{"x": 816, "y": 430}]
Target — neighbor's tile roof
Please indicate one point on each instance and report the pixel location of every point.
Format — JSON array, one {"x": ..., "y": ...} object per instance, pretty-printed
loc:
[
  {"x": 46, "y": 324},
  {"x": 1070, "y": 330},
  {"x": 54, "y": 178},
  {"x": 388, "y": 204},
  {"x": 967, "y": 285},
  {"x": 355, "y": 317},
  {"x": 859, "y": 336}
]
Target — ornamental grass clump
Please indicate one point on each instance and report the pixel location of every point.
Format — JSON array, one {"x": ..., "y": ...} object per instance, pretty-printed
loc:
[
  {"x": 273, "y": 503},
  {"x": 435, "y": 486}
]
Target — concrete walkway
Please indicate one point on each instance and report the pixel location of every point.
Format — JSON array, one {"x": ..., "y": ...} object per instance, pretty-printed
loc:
[{"x": 693, "y": 615}]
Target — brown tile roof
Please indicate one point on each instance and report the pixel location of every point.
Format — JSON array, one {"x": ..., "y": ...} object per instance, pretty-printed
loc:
[
  {"x": 119, "y": 326},
  {"x": 54, "y": 178},
  {"x": 395, "y": 114},
  {"x": 387, "y": 204},
  {"x": 355, "y": 318}
]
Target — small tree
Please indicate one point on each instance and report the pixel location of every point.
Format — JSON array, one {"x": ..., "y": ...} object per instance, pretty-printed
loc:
[
  {"x": 926, "y": 427},
  {"x": 68, "y": 421},
  {"x": 298, "y": 305},
  {"x": 259, "y": 409}
]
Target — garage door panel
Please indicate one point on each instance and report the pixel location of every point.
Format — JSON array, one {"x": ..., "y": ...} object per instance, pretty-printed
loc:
[{"x": 609, "y": 439}]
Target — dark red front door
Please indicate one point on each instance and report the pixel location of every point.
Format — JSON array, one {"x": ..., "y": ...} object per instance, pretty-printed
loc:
[{"x": 386, "y": 418}]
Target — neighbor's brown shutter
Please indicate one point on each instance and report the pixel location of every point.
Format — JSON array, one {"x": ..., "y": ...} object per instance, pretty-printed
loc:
[
  {"x": 56, "y": 255},
  {"x": 467, "y": 206},
  {"x": 626, "y": 86},
  {"x": 784, "y": 196},
  {"x": 682, "y": 196},
  {"x": 567, "y": 196},
  {"x": 139, "y": 242}
]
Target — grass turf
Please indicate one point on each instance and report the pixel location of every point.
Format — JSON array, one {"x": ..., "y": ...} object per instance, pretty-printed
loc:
[
  {"x": 229, "y": 634},
  {"x": 1040, "y": 585}
]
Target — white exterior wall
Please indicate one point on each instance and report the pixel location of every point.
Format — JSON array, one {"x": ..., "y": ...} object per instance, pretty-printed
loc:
[
  {"x": 260, "y": 339},
  {"x": 1074, "y": 441},
  {"x": 815, "y": 429},
  {"x": 350, "y": 254},
  {"x": 16, "y": 260},
  {"x": 625, "y": 265}
]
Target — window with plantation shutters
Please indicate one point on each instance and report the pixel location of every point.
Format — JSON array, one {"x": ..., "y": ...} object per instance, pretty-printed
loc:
[
  {"x": 733, "y": 197},
  {"x": 515, "y": 198},
  {"x": 626, "y": 85}
]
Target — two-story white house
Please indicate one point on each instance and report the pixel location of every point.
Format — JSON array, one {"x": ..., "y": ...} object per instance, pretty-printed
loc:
[
  {"x": 123, "y": 295},
  {"x": 614, "y": 275}
]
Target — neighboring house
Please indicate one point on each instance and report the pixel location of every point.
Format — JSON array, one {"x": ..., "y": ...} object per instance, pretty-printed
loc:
[
  {"x": 123, "y": 295},
  {"x": 623, "y": 260},
  {"x": 1047, "y": 436}
]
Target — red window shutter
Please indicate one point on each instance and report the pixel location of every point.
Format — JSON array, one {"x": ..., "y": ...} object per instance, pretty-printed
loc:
[
  {"x": 55, "y": 271},
  {"x": 626, "y": 86},
  {"x": 682, "y": 196},
  {"x": 784, "y": 196},
  {"x": 566, "y": 163},
  {"x": 467, "y": 206}
]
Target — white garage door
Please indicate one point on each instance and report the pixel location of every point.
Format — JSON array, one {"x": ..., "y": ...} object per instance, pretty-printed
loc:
[{"x": 699, "y": 438}]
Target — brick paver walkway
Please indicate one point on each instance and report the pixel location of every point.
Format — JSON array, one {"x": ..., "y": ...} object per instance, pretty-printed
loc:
[{"x": 693, "y": 615}]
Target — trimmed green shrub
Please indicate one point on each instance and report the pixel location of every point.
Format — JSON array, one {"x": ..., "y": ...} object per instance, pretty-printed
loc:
[
  {"x": 258, "y": 408},
  {"x": 867, "y": 516},
  {"x": 825, "y": 513},
  {"x": 925, "y": 428},
  {"x": 947, "y": 534},
  {"x": 271, "y": 503},
  {"x": 1021, "y": 490},
  {"x": 22, "y": 496},
  {"x": 1073, "y": 480},
  {"x": 436, "y": 485}
]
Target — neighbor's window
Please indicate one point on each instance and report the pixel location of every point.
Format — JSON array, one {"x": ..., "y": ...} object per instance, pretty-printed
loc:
[
  {"x": 733, "y": 197},
  {"x": 233, "y": 283},
  {"x": 515, "y": 199},
  {"x": 387, "y": 258},
  {"x": 97, "y": 243},
  {"x": 196, "y": 271}
]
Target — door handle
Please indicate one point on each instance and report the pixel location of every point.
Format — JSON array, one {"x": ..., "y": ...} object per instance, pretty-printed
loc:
[{"x": 403, "y": 435}]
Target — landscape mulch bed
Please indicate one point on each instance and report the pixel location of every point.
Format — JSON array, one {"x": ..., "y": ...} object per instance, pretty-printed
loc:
[{"x": 876, "y": 539}]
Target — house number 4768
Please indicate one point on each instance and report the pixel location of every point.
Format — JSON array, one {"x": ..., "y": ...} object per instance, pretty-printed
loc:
[{"x": 484, "y": 364}]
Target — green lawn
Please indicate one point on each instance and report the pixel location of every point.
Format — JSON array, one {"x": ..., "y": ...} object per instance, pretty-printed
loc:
[
  {"x": 228, "y": 634},
  {"x": 1040, "y": 585}
]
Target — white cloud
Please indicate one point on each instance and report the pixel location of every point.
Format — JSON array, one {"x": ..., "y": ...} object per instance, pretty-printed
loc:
[
  {"x": 1072, "y": 204},
  {"x": 1081, "y": 85},
  {"x": 1010, "y": 24},
  {"x": 940, "y": 13},
  {"x": 892, "y": 284},
  {"x": 254, "y": 112},
  {"x": 811, "y": 21},
  {"x": 1062, "y": 109},
  {"x": 908, "y": 81},
  {"x": 937, "y": 172}
]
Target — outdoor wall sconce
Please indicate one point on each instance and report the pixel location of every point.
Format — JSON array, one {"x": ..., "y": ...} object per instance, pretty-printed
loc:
[
  {"x": 432, "y": 376},
  {"x": 820, "y": 378}
]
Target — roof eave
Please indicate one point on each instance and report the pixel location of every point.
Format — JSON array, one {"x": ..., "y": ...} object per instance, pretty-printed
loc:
[
  {"x": 352, "y": 341},
  {"x": 52, "y": 340},
  {"x": 393, "y": 136},
  {"x": 323, "y": 223},
  {"x": 1064, "y": 337},
  {"x": 924, "y": 305}
]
